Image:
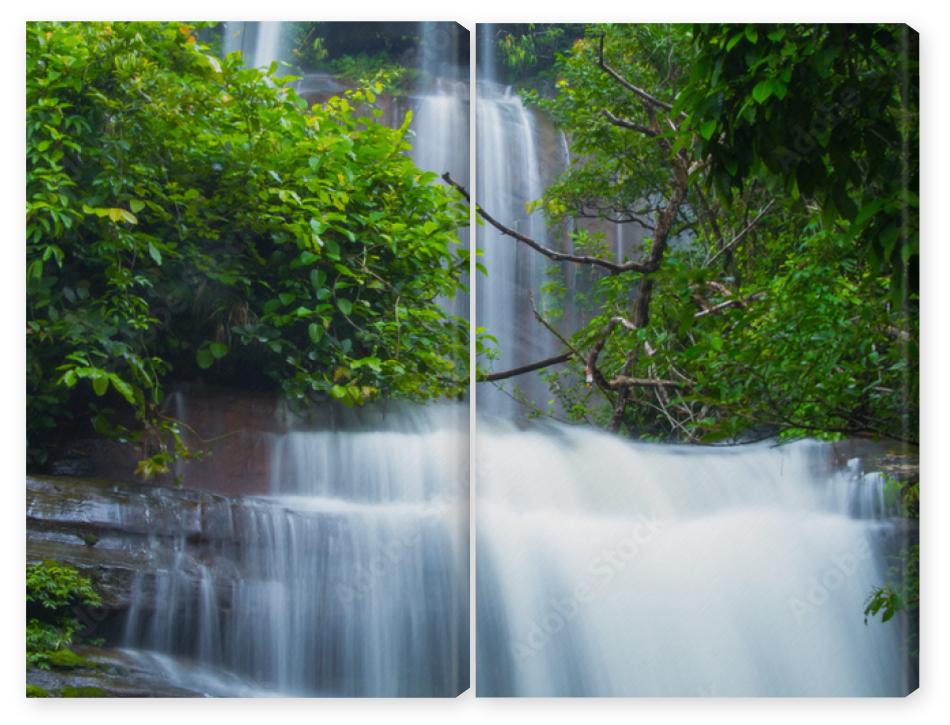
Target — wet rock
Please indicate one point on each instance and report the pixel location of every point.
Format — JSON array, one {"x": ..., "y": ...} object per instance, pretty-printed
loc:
[
  {"x": 109, "y": 673},
  {"x": 114, "y": 532}
]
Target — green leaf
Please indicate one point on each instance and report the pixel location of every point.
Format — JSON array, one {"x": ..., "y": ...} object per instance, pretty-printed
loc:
[
  {"x": 314, "y": 332},
  {"x": 346, "y": 307},
  {"x": 762, "y": 91},
  {"x": 124, "y": 389},
  {"x": 204, "y": 358},
  {"x": 121, "y": 215},
  {"x": 100, "y": 385},
  {"x": 155, "y": 254},
  {"x": 338, "y": 392},
  {"x": 218, "y": 350},
  {"x": 707, "y": 129},
  {"x": 318, "y": 278},
  {"x": 136, "y": 205}
]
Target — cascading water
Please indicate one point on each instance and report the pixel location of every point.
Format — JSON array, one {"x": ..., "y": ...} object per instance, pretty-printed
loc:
[
  {"x": 613, "y": 568},
  {"x": 622, "y": 569},
  {"x": 350, "y": 579},
  {"x": 512, "y": 171},
  {"x": 440, "y": 119}
]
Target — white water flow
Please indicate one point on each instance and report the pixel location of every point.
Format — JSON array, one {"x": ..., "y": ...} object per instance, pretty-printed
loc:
[
  {"x": 261, "y": 43},
  {"x": 613, "y": 568},
  {"x": 609, "y": 567},
  {"x": 349, "y": 579},
  {"x": 516, "y": 157},
  {"x": 440, "y": 124}
]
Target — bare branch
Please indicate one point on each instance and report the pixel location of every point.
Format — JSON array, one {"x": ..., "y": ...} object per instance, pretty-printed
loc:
[
  {"x": 727, "y": 304},
  {"x": 531, "y": 367},
  {"x": 644, "y": 382},
  {"x": 591, "y": 211},
  {"x": 624, "y": 123},
  {"x": 591, "y": 372},
  {"x": 741, "y": 235},
  {"x": 623, "y": 395},
  {"x": 613, "y": 267},
  {"x": 551, "y": 328}
]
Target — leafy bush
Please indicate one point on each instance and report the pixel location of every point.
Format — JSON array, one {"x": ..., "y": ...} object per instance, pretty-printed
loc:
[
  {"x": 54, "y": 590},
  {"x": 185, "y": 214}
]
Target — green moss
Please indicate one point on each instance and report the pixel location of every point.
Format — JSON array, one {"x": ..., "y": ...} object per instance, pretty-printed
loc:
[
  {"x": 90, "y": 539},
  {"x": 83, "y": 692},
  {"x": 35, "y": 691},
  {"x": 67, "y": 659}
]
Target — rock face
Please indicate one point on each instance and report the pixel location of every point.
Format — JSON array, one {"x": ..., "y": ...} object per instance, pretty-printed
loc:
[
  {"x": 113, "y": 532},
  {"x": 245, "y": 595},
  {"x": 121, "y": 536},
  {"x": 231, "y": 430}
]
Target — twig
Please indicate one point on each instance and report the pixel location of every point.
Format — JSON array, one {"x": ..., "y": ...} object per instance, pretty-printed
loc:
[{"x": 741, "y": 235}]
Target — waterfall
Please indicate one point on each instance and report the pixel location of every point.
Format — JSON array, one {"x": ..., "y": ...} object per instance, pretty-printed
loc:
[
  {"x": 486, "y": 52},
  {"x": 517, "y": 156},
  {"x": 261, "y": 43},
  {"x": 349, "y": 579},
  {"x": 440, "y": 122},
  {"x": 607, "y": 567}
]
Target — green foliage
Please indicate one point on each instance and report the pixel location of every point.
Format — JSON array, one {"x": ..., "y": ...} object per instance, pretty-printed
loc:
[
  {"x": 56, "y": 586},
  {"x": 44, "y": 639},
  {"x": 36, "y": 691},
  {"x": 307, "y": 45},
  {"x": 366, "y": 69},
  {"x": 814, "y": 354},
  {"x": 617, "y": 171},
  {"x": 186, "y": 214},
  {"x": 529, "y": 50},
  {"x": 54, "y": 590},
  {"x": 792, "y": 325},
  {"x": 901, "y": 592},
  {"x": 827, "y": 113}
]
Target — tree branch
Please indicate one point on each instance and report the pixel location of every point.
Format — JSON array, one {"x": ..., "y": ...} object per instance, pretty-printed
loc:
[
  {"x": 624, "y": 123},
  {"x": 624, "y": 380},
  {"x": 591, "y": 372},
  {"x": 735, "y": 302},
  {"x": 645, "y": 97},
  {"x": 590, "y": 211},
  {"x": 531, "y": 367},
  {"x": 613, "y": 267},
  {"x": 741, "y": 235}
]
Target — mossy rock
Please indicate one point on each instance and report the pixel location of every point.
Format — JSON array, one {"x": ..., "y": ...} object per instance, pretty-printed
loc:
[
  {"x": 67, "y": 659},
  {"x": 83, "y": 692},
  {"x": 36, "y": 691}
]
